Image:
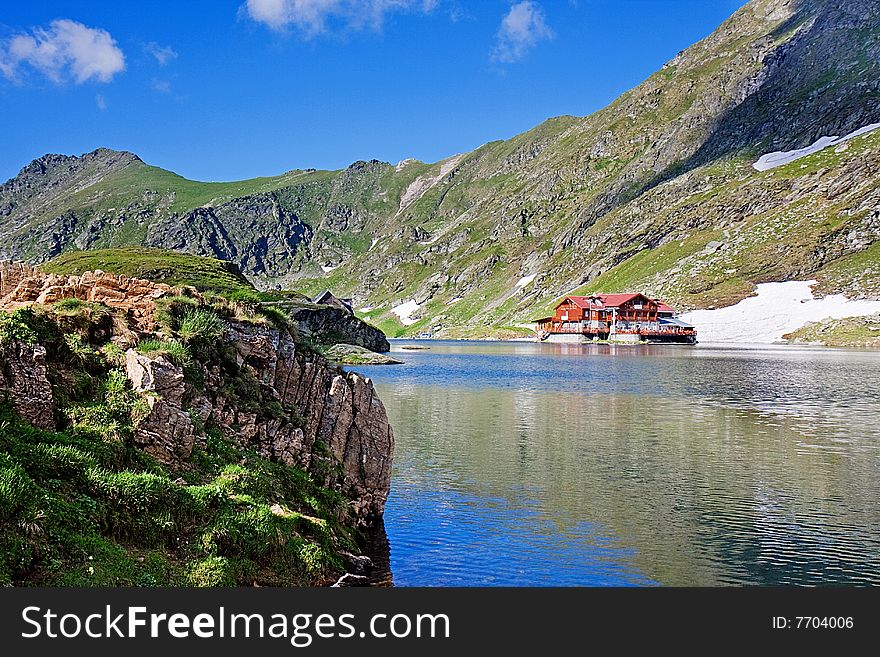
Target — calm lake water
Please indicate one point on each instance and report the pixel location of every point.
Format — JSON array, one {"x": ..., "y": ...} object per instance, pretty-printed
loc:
[{"x": 533, "y": 464}]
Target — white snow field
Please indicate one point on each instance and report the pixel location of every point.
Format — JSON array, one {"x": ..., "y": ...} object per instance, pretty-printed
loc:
[
  {"x": 525, "y": 280},
  {"x": 404, "y": 311},
  {"x": 778, "y": 158},
  {"x": 779, "y": 308}
]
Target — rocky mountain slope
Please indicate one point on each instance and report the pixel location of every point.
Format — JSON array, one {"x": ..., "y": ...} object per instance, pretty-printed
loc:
[
  {"x": 153, "y": 435},
  {"x": 656, "y": 192}
]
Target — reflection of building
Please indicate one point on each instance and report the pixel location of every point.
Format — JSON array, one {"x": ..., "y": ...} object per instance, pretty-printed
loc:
[
  {"x": 621, "y": 317},
  {"x": 329, "y": 299}
]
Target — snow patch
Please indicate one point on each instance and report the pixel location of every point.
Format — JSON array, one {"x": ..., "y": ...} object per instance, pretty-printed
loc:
[
  {"x": 365, "y": 309},
  {"x": 525, "y": 280},
  {"x": 779, "y": 308},
  {"x": 454, "y": 300},
  {"x": 327, "y": 270},
  {"x": 374, "y": 242},
  {"x": 778, "y": 158},
  {"x": 404, "y": 310}
]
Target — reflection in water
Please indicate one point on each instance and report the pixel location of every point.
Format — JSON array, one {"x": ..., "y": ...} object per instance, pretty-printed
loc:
[
  {"x": 375, "y": 545},
  {"x": 526, "y": 464}
]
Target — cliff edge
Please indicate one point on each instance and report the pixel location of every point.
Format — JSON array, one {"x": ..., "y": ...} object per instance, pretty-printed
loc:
[{"x": 197, "y": 393}]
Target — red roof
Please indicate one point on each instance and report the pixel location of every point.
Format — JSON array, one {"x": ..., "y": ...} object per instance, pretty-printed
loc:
[
  {"x": 604, "y": 300},
  {"x": 581, "y": 302},
  {"x": 616, "y": 300},
  {"x": 663, "y": 307}
]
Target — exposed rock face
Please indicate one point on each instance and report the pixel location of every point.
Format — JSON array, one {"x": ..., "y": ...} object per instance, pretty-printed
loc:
[
  {"x": 167, "y": 432},
  {"x": 340, "y": 411},
  {"x": 333, "y": 325},
  {"x": 223, "y": 232},
  {"x": 22, "y": 285},
  {"x": 343, "y": 422},
  {"x": 24, "y": 382}
]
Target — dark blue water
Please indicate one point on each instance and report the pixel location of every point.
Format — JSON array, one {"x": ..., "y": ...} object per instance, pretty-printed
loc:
[{"x": 530, "y": 464}]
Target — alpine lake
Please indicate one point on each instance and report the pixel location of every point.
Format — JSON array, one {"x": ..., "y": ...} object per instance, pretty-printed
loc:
[{"x": 526, "y": 464}]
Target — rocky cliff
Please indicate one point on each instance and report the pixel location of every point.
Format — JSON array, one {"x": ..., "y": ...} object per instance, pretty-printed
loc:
[
  {"x": 191, "y": 374},
  {"x": 655, "y": 192},
  {"x": 336, "y": 410}
]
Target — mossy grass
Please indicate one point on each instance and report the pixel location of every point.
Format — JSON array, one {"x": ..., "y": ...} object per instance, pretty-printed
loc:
[
  {"x": 170, "y": 348},
  {"x": 78, "y": 511},
  {"x": 200, "y": 325}
]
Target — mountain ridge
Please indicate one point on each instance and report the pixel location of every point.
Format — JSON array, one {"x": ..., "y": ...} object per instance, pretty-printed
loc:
[{"x": 654, "y": 192}]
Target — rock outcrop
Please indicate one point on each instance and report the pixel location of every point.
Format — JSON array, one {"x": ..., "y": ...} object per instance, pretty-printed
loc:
[
  {"x": 24, "y": 382},
  {"x": 342, "y": 422},
  {"x": 340, "y": 411},
  {"x": 334, "y": 325},
  {"x": 326, "y": 421},
  {"x": 167, "y": 432},
  {"x": 22, "y": 285}
]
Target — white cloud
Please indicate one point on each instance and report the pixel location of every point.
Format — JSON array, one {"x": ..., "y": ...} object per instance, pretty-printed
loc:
[
  {"x": 66, "y": 49},
  {"x": 313, "y": 17},
  {"x": 522, "y": 28},
  {"x": 101, "y": 102},
  {"x": 163, "y": 54}
]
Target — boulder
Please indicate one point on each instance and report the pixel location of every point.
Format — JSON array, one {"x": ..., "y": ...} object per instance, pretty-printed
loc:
[
  {"x": 349, "y": 354},
  {"x": 167, "y": 432},
  {"x": 330, "y": 325}
]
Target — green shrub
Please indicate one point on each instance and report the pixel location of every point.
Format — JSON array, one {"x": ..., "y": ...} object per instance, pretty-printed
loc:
[
  {"x": 170, "y": 309},
  {"x": 18, "y": 325},
  {"x": 68, "y": 306},
  {"x": 113, "y": 354},
  {"x": 313, "y": 556},
  {"x": 79, "y": 349},
  {"x": 200, "y": 325},
  {"x": 172, "y": 349}
]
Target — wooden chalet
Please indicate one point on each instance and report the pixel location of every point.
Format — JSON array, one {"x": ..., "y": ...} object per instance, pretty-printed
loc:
[{"x": 616, "y": 317}]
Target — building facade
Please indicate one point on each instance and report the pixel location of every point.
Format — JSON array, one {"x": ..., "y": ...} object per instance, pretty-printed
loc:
[{"x": 616, "y": 317}]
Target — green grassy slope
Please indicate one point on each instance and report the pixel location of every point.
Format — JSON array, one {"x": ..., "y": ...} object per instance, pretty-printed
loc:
[{"x": 161, "y": 265}]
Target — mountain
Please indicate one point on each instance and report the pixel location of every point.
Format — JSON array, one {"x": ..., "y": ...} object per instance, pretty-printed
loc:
[{"x": 655, "y": 193}]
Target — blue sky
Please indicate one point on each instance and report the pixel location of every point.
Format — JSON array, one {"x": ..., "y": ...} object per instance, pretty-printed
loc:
[{"x": 224, "y": 90}]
